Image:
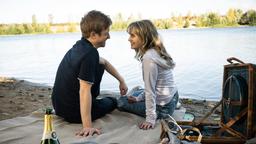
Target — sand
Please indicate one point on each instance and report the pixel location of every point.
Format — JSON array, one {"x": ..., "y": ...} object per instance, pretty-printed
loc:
[{"x": 21, "y": 98}]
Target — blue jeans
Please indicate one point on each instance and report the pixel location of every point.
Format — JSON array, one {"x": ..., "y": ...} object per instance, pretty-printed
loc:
[{"x": 139, "y": 108}]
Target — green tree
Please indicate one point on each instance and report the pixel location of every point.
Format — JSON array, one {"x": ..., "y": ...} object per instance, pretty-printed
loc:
[
  {"x": 162, "y": 23},
  {"x": 248, "y": 18},
  {"x": 213, "y": 19},
  {"x": 187, "y": 23},
  {"x": 171, "y": 23},
  {"x": 3, "y": 29},
  {"x": 119, "y": 23},
  {"x": 201, "y": 21},
  {"x": 180, "y": 21},
  {"x": 239, "y": 14},
  {"x": 72, "y": 27},
  {"x": 19, "y": 29},
  {"x": 42, "y": 28},
  {"x": 11, "y": 29},
  {"x": 252, "y": 19},
  {"x": 233, "y": 16},
  {"x": 28, "y": 28}
]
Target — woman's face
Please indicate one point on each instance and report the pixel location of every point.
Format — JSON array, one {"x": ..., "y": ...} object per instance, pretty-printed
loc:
[{"x": 135, "y": 40}]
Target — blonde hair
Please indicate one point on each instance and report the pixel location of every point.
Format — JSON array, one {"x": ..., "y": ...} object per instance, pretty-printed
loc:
[{"x": 146, "y": 30}]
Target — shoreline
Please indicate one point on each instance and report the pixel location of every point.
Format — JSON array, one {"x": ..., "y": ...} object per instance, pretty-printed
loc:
[
  {"x": 21, "y": 98},
  {"x": 174, "y": 28}
]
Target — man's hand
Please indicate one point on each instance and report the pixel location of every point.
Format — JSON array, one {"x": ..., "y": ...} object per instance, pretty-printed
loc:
[
  {"x": 123, "y": 88},
  {"x": 146, "y": 125},
  {"x": 112, "y": 70},
  {"x": 84, "y": 132}
]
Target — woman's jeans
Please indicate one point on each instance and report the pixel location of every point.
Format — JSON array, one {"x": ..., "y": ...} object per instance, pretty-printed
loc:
[{"x": 139, "y": 108}]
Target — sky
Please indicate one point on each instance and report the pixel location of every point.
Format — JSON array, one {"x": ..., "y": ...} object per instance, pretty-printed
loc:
[{"x": 21, "y": 11}]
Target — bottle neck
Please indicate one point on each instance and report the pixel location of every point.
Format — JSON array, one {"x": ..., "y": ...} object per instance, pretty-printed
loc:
[
  {"x": 49, "y": 134},
  {"x": 48, "y": 123}
]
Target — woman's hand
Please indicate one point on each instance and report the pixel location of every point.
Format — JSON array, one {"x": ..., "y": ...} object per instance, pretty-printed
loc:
[
  {"x": 84, "y": 132},
  {"x": 131, "y": 99},
  {"x": 146, "y": 125}
]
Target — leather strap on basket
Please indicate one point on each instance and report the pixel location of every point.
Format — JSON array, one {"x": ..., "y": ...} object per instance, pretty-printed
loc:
[
  {"x": 183, "y": 136},
  {"x": 234, "y": 59},
  {"x": 166, "y": 130}
]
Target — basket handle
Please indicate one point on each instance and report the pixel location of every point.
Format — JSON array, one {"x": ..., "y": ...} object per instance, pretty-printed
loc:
[
  {"x": 234, "y": 59},
  {"x": 183, "y": 136}
]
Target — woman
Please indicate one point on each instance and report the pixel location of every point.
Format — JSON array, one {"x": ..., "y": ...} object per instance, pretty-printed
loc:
[{"x": 160, "y": 96}]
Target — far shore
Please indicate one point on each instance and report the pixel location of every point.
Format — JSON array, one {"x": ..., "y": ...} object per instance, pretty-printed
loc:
[{"x": 78, "y": 30}]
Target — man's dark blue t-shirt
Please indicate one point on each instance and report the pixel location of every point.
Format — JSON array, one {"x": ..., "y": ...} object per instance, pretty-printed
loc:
[{"x": 80, "y": 62}]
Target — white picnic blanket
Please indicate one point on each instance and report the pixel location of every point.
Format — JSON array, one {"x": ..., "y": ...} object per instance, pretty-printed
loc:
[{"x": 117, "y": 127}]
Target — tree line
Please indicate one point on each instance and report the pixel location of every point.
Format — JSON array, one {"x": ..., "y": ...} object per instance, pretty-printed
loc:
[{"x": 234, "y": 17}]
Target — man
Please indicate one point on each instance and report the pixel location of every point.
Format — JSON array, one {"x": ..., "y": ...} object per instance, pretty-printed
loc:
[{"x": 77, "y": 82}]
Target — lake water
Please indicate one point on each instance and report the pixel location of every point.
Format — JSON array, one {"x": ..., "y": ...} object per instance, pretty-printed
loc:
[{"x": 200, "y": 55}]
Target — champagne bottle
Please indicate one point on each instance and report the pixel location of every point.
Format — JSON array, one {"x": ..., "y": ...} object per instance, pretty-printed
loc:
[{"x": 49, "y": 135}]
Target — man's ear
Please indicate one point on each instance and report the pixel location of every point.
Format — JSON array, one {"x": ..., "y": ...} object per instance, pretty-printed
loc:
[{"x": 92, "y": 34}]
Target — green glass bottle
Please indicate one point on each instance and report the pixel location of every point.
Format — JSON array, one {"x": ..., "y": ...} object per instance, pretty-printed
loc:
[{"x": 49, "y": 135}]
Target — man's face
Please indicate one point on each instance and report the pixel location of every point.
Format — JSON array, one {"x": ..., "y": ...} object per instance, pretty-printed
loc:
[{"x": 100, "y": 40}]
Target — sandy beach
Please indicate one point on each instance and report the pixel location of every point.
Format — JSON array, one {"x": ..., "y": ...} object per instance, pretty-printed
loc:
[{"x": 21, "y": 98}]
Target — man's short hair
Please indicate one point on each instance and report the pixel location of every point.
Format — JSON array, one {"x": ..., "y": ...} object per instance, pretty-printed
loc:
[{"x": 94, "y": 21}]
